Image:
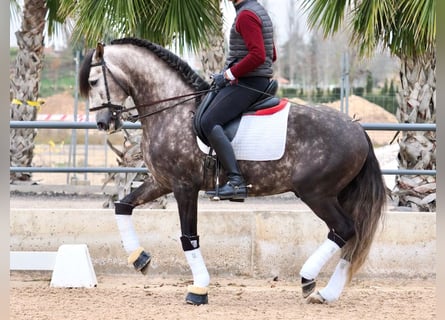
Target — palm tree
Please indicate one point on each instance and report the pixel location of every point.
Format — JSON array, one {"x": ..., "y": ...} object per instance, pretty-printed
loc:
[
  {"x": 408, "y": 29},
  {"x": 38, "y": 18},
  {"x": 24, "y": 84},
  {"x": 184, "y": 23}
]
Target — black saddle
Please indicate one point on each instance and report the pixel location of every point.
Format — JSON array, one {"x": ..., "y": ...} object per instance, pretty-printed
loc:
[{"x": 266, "y": 100}]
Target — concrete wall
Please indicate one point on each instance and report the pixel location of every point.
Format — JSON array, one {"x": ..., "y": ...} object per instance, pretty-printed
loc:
[{"x": 251, "y": 243}]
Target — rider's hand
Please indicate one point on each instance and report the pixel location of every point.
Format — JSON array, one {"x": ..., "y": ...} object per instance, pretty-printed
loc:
[{"x": 220, "y": 80}]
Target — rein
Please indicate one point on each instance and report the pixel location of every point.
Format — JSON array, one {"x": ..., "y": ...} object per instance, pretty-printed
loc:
[{"x": 116, "y": 109}]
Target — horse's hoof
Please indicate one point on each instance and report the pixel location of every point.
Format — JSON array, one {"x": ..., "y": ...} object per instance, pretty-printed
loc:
[
  {"x": 140, "y": 260},
  {"x": 237, "y": 200},
  {"x": 197, "y": 295},
  {"x": 307, "y": 287},
  {"x": 316, "y": 298},
  {"x": 144, "y": 269},
  {"x": 196, "y": 299}
]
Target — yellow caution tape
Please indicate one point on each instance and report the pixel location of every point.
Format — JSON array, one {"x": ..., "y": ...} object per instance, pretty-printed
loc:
[{"x": 36, "y": 104}]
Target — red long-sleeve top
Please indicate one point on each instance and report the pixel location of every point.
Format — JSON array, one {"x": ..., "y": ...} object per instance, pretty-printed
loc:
[{"x": 249, "y": 26}]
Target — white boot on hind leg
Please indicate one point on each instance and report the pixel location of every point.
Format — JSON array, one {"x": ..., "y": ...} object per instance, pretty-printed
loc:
[
  {"x": 318, "y": 259},
  {"x": 335, "y": 286},
  {"x": 313, "y": 265}
]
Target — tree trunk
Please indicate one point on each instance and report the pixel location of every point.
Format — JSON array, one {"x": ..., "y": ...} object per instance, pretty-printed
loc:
[
  {"x": 417, "y": 104},
  {"x": 24, "y": 85},
  {"x": 213, "y": 57}
]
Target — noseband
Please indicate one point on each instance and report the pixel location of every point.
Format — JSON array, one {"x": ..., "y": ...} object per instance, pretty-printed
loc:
[{"x": 115, "y": 109}]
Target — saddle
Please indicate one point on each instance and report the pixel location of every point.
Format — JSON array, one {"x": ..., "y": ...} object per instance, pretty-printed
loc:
[{"x": 266, "y": 101}]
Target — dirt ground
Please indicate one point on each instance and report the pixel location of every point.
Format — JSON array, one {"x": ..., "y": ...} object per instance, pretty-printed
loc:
[
  {"x": 129, "y": 297},
  {"x": 133, "y": 296}
]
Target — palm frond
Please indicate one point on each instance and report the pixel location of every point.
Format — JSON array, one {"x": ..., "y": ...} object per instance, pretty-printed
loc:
[
  {"x": 406, "y": 27},
  {"x": 325, "y": 14},
  {"x": 186, "y": 22}
]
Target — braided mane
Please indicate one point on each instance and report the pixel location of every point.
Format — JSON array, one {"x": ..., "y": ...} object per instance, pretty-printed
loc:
[{"x": 175, "y": 62}]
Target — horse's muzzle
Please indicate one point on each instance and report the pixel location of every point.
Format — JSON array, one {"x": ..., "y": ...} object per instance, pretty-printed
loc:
[
  {"x": 102, "y": 126},
  {"x": 112, "y": 125}
]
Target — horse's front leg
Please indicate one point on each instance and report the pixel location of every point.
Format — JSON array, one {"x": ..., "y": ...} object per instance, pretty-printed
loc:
[
  {"x": 187, "y": 199},
  {"x": 148, "y": 191}
]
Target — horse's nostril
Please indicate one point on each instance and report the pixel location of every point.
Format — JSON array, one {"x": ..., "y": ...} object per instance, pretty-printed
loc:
[{"x": 102, "y": 126}]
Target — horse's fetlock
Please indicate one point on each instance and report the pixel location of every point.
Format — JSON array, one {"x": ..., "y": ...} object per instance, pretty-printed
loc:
[{"x": 189, "y": 242}]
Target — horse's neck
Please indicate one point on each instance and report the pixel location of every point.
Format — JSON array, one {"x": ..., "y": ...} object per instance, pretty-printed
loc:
[{"x": 153, "y": 81}]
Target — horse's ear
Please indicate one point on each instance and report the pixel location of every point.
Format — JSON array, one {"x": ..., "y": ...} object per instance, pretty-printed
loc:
[{"x": 99, "y": 51}]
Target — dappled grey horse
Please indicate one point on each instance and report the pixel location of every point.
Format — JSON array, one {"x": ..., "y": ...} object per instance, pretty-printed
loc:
[{"x": 328, "y": 162}]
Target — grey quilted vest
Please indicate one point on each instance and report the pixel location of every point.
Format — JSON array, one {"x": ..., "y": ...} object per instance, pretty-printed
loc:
[{"x": 237, "y": 48}]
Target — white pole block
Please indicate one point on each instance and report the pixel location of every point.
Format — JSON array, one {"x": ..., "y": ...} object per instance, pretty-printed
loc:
[
  {"x": 73, "y": 267},
  {"x": 32, "y": 260}
]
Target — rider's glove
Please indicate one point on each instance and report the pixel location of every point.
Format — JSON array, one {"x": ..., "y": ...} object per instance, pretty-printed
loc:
[{"x": 220, "y": 80}]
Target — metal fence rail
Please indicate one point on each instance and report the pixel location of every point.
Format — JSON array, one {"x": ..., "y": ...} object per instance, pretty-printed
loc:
[{"x": 137, "y": 125}]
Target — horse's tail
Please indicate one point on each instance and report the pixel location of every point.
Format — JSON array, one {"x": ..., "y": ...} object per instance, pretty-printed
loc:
[{"x": 364, "y": 198}]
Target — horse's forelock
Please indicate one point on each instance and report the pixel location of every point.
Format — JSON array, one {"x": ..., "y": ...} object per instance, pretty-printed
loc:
[{"x": 84, "y": 74}]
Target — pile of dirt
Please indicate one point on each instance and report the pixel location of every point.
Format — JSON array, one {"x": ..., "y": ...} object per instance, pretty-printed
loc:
[
  {"x": 366, "y": 112},
  {"x": 62, "y": 103}
]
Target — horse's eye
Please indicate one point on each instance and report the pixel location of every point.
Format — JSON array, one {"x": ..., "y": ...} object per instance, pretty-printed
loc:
[{"x": 92, "y": 82}]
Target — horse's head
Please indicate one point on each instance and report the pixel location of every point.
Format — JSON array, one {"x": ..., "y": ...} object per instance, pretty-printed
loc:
[{"x": 106, "y": 85}]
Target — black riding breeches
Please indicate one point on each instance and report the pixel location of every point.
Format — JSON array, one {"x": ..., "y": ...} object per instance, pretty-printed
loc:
[{"x": 231, "y": 101}]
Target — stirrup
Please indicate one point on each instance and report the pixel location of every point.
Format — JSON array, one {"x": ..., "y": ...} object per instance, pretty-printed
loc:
[{"x": 237, "y": 194}]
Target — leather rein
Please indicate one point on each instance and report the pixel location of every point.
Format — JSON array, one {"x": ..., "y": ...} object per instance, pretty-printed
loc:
[{"x": 116, "y": 110}]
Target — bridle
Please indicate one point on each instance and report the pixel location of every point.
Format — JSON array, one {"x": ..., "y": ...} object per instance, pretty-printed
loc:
[{"x": 116, "y": 109}]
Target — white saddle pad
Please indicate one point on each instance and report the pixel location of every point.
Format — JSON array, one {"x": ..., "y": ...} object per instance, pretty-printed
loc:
[{"x": 259, "y": 137}]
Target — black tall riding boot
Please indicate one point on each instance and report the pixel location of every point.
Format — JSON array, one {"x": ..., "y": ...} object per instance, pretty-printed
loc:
[{"x": 235, "y": 188}]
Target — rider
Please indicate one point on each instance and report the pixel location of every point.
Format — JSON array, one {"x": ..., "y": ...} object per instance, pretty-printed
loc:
[{"x": 249, "y": 63}]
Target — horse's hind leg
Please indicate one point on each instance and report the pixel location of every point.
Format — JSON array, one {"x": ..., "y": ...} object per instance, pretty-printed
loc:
[
  {"x": 123, "y": 209},
  {"x": 341, "y": 229},
  {"x": 187, "y": 199}
]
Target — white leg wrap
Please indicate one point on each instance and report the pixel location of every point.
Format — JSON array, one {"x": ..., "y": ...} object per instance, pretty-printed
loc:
[
  {"x": 318, "y": 259},
  {"x": 128, "y": 234},
  {"x": 201, "y": 276},
  {"x": 337, "y": 282}
]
